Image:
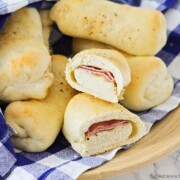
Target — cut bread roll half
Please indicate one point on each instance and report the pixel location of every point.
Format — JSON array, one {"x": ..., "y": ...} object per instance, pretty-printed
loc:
[
  {"x": 94, "y": 126},
  {"x": 25, "y": 68},
  {"x": 99, "y": 72},
  {"x": 38, "y": 122}
]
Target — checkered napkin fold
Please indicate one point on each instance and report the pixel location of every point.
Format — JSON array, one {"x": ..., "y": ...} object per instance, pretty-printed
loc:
[{"x": 60, "y": 161}]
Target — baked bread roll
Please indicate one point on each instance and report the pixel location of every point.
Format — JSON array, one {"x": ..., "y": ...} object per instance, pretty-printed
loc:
[
  {"x": 135, "y": 30},
  {"x": 101, "y": 73},
  {"x": 79, "y": 44},
  {"x": 150, "y": 83},
  {"x": 38, "y": 122},
  {"x": 94, "y": 126},
  {"x": 25, "y": 71},
  {"x": 46, "y": 25}
]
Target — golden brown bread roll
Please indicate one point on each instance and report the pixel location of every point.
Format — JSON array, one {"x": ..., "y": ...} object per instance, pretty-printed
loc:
[
  {"x": 79, "y": 44},
  {"x": 94, "y": 126},
  {"x": 100, "y": 72},
  {"x": 25, "y": 61},
  {"x": 38, "y": 122},
  {"x": 150, "y": 82},
  {"x": 135, "y": 30}
]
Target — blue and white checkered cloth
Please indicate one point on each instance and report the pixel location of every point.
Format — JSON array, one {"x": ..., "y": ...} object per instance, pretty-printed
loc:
[{"x": 60, "y": 161}]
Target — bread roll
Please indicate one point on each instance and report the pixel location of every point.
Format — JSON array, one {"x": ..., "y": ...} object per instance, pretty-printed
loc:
[
  {"x": 25, "y": 71},
  {"x": 38, "y": 122},
  {"x": 46, "y": 25},
  {"x": 150, "y": 83},
  {"x": 101, "y": 73},
  {"x": 79, "y": 44},
  {"x": 94, "y": 126},
  {"x": 135, "y": 30}
]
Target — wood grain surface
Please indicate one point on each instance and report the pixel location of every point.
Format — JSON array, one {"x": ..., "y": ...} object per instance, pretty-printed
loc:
[{"x": 163, "y": 139}]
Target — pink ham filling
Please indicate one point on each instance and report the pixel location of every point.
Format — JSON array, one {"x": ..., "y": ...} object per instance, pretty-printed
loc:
[
  {"x": 104, "y": 126},
  {"x": 108, "y": 75}
]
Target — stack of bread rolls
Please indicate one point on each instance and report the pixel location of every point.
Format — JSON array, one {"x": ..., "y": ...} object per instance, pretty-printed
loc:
[
  {"x": 150, "y": 83},
  {"x": 114, "y": 47},
  {"x": 136, "y": 34},
  {"x": 113, "y": 67}
]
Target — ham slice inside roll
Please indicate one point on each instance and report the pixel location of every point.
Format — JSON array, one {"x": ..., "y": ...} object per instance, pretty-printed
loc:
[
  {"x": 93, "y": 126},
  {"x": 104, "y": 126},
  {"x": 107, "y": 74}
]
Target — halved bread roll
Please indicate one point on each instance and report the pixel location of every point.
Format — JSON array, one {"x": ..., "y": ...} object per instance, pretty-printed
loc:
[
  {"x": 38, "y": 122},
  {"x": 101, "y": 73},
  {"x": 135, "y": 30},
  {"x": 150, "y": 83},
  {"x": 94, "y": 126},
  {"x": 25, "y": 71}
]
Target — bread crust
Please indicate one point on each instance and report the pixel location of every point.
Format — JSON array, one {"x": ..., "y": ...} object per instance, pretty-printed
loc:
[
  {"x": 25, "y": 71},
  {"x": 47, "y": 24},
  {"x": 79, "y": 44},
  {"x": 137, "y": 31},
  {"x": 38, "y": 122},
  {"x": 150, "y": 84}
]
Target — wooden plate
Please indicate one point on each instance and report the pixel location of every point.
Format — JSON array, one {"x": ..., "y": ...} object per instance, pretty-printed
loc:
[{"x": 164, "y": 138}]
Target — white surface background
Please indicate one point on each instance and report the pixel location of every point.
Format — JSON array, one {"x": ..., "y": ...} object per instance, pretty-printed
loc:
[{"x": 167, "y": 168}]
